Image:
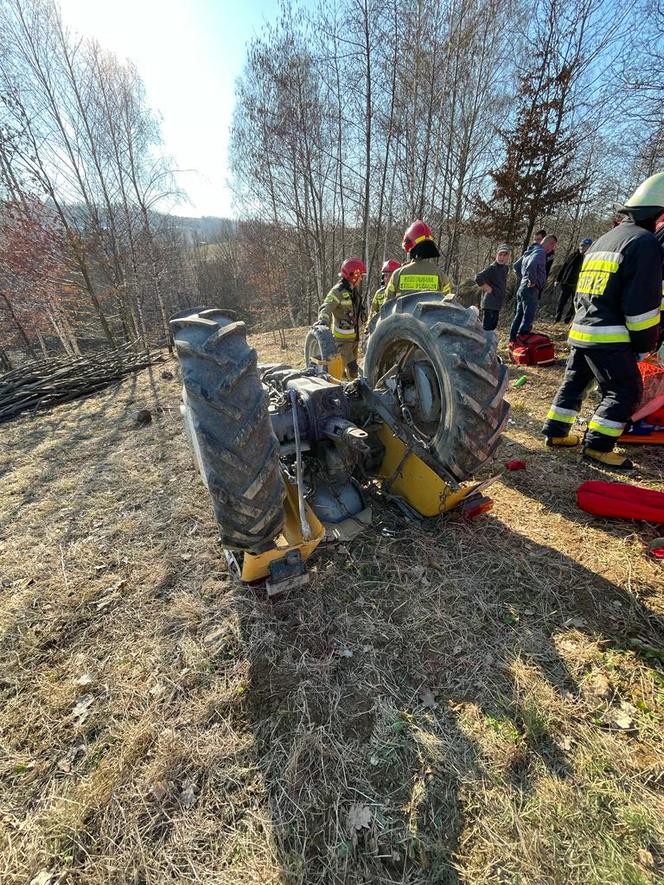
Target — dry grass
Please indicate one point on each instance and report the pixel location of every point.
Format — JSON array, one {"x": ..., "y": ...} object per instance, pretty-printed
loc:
[{"x": 440, "y": 705}]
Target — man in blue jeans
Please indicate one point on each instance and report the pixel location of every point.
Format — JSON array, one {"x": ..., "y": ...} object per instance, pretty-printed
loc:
[{"x": 533, "y": 280}]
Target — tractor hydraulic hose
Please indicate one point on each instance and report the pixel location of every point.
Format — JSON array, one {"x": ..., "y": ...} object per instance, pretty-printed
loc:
[{"x": 306, "y": 530}]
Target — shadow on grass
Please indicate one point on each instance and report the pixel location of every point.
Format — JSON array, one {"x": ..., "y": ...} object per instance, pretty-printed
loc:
[
  {"x": 75, "y": 425},
  {"x": 553, "y": 477},
  {"x": 369, "y": 694},
  {"x": 360, "y": 687},
  {"x": 89, "y": 450}
]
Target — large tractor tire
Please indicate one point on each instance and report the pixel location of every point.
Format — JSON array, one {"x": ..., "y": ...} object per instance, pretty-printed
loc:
[
  {"x": 227, "y": 422},
  {"x": 450, "y": 378}
]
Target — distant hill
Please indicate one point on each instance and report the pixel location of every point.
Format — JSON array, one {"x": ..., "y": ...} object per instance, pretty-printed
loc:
[{"x": 205, "y": 229}]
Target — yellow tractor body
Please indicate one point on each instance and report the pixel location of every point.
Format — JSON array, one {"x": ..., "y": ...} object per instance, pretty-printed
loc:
[{"x": 290, "y": 455}]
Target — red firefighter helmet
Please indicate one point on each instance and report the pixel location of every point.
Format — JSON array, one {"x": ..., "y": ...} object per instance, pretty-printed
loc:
[
  {"x": 416, "y": 233},
  {"x": 390, "y": 266},
  {"x": 352, "y": 269}
]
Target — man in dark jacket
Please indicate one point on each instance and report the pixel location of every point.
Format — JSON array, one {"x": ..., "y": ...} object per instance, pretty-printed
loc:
[
  {"x": 617, "y": 317},
  {"x": 493, "y": 282},
  {"x": 567, "y": 279},
  {"x": 550, "y": 256},
  {"x": 533, "y": 280}
]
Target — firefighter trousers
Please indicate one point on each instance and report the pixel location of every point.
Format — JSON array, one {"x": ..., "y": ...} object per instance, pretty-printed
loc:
[
  {"x": 616, "y": 371},
  {"x": 347, "y": 348}
]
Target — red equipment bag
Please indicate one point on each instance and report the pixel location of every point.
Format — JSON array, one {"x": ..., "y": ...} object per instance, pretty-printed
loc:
[
  {"x": 620, "y": 499},
  {"x": 657, "y": 417},
  {"x": 652, "y": 398},
  {"x": 648, "y": 426},
  {"x": 531, "y": 349}
]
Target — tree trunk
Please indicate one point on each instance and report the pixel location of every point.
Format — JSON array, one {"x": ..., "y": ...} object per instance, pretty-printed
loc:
[
  {"x": 5, "y": 362},
  {"x": 19, "y": 327}
]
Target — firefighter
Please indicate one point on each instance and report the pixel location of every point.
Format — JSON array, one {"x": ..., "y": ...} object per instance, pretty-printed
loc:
[
  {"x": 386, "y": 272},
  {"x": 342, "y": 309},
  {"x": 420, "y": 273},
  {"x": 616, "y": 322},
  {"x": 659, "y": 233}
]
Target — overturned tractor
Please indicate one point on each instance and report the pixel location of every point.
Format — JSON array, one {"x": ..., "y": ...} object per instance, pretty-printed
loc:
[{"x": 287, "y": 454}]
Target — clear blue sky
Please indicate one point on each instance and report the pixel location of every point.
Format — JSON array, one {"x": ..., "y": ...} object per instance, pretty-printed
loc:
[{"x": 189, "y": 53}]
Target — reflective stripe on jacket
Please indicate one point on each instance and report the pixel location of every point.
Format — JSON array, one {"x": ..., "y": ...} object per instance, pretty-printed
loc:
[
  {"x": 419, "y": 275},
  {"x": 619, "y": 292},
  {"x": 338, "y": 309}
]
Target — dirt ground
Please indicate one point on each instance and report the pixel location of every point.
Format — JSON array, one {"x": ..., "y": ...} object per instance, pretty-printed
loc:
[{"x": 474, "y": 702}]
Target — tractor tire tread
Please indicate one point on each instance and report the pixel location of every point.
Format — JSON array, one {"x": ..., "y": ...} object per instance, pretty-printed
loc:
[
  {"x": 473, "y": 381},
  {"x": 239, "y": 453},
  {"x": 319, "y": 344}
]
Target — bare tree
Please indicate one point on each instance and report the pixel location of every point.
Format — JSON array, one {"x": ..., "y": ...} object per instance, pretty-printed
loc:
[{"x": 76, "y": 132}]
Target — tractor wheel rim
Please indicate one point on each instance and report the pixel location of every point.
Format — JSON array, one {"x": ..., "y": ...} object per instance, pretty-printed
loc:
[{"x": 422, "y": 389}]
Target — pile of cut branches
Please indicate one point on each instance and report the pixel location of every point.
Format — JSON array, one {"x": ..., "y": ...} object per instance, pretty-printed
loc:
[{"x": 44, "y": 383}]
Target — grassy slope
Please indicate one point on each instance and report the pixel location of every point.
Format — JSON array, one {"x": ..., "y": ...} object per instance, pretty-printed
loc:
[{"x": 437, "y": 706}]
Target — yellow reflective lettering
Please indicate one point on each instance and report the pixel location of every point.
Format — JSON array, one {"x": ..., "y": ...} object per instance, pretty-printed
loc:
[
  {"x": 414, "y": 282},
  {"x": 592, "y": 282}
]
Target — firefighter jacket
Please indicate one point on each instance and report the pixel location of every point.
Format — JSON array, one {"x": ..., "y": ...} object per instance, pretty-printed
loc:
[
  {"x": 418, "y": 275},
  {"x": 660, "y": 239},
  {"x": 340, "y": 310},
  {"x": 377, "y": 302},
  {"x": 619, "y": 293}
]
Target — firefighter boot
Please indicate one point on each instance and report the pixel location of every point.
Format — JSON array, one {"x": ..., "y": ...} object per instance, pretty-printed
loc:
[
  {"x": 572, "y": 439},
  {"x": 610, "y": 460}
]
